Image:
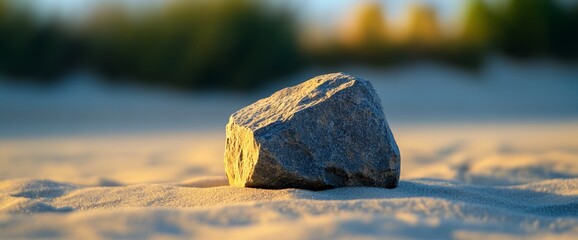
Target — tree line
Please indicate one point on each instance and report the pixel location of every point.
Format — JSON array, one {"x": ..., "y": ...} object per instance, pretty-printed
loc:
[{"x": 243, "y": 44}]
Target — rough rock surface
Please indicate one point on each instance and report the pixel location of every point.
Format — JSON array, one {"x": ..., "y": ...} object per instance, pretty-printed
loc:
[{"x": 327, "y": 132}]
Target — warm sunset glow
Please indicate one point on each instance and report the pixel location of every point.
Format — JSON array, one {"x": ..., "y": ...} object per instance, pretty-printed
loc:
[
  {"x": 420, "y": 26},
  {"x": 366, "y": 26}
]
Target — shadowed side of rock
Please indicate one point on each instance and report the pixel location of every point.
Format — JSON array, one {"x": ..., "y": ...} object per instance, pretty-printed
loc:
[{"x": 327, "y": 132}]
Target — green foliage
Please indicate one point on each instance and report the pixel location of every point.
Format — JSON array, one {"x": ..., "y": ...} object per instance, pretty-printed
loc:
[
  {"x": 225, "y": 44},
  {"x": 30, "y": 49},
  {"x": 564, "y": 32},
  {"x": 520, "y": 29},
  {"x": 478, "y": 29},
  {"x": 535, "y": 27}
]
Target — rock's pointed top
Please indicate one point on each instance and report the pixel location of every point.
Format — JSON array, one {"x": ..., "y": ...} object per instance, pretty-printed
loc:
[{"x": 282, "y": 104}]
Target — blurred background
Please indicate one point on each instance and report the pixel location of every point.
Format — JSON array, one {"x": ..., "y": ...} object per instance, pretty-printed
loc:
[
  {"x": 130, "y": 67},
  {"x": 79, "y": 61},
  {"x": 245, "y": 44}
]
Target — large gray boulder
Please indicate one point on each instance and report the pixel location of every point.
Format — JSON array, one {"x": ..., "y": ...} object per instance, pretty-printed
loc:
[{"x": 327, "y": 132}]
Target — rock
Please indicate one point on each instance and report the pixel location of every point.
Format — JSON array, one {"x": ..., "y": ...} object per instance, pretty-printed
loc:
[{"x": 327, "y": 132}]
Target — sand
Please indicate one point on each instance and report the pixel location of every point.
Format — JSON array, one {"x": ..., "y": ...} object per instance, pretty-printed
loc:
[
  {"x": 416, "y": 209},
  {"x": 452, "y": 186}
]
